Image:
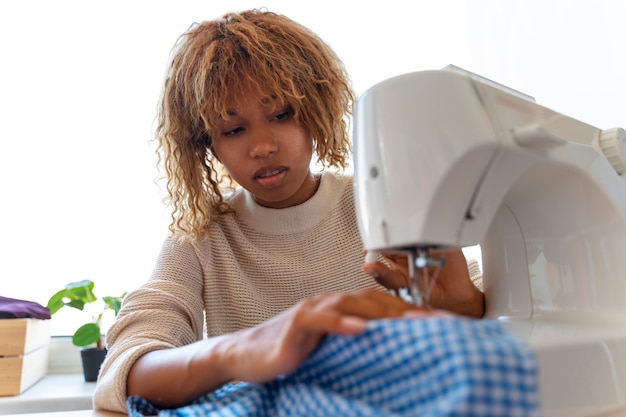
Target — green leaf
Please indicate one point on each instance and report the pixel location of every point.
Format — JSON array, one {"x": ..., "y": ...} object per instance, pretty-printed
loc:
[
  {"x": 114, "y": 303},
  {"x": 76, "y": 295},
  {"x": 77, "y": 304},
  {"x": 57, "y": 301},
  {"x": 87, "y": 334},
  {"x": 81, "y": 291}
]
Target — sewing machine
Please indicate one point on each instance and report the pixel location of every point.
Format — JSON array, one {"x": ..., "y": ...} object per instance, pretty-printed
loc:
[{"x": 449, "y": 159}]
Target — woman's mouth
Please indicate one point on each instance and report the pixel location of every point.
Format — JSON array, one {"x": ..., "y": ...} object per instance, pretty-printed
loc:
[
  {"x": 271, "y": 178},
  {"x": 269, "y": 174}
]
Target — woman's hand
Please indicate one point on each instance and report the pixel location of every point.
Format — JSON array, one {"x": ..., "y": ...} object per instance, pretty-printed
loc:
[
  {"x": 281, "y": 344},
  {"x": 170, "y": 378},
  {"x": 452, "y": 289}
]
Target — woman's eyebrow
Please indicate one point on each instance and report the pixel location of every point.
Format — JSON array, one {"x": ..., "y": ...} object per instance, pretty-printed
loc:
[
  {"x": 269, "y": 99},
  {"x": 265, "y": 101}
]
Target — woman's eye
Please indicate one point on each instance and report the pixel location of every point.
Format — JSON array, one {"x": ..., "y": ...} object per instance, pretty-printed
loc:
[
  {"x": 232, "y": 132},
  {"x": 282, "y": 115}
]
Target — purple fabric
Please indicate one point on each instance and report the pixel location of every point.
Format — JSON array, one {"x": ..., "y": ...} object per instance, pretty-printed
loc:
[{"x": 11, "y": 308}]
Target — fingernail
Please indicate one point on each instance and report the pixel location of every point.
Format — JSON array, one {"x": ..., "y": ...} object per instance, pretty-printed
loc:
[
  {"x": 353, "y": 324},
  {"x": 415, "y": 313},
  {"x": 442, "y": 313},
  {"x": 372, "y": 274}
]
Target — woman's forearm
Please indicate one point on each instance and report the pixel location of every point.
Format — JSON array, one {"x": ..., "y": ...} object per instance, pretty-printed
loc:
[
  {"x": 173, "y": 377},
  {"x": 170, "y": 378}
]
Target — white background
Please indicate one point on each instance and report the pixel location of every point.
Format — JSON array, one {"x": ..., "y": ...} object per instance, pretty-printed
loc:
[{"x": 79, "y": 82}]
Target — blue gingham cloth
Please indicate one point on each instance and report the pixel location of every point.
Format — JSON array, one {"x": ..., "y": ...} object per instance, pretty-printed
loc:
[{"x": 430, "y": 367}]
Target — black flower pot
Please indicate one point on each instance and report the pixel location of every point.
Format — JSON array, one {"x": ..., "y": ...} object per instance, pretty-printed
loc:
[{"x": 92, "y": 360}]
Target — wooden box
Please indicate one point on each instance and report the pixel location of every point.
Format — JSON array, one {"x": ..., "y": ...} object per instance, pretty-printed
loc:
[{"x": 23, "y": 353}]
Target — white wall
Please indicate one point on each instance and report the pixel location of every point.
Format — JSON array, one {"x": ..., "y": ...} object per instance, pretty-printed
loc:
[{"x": 79, "y": 83}]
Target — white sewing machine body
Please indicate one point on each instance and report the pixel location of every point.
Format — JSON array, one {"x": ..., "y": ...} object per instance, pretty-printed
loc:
[{"x": 447, "y": 158}]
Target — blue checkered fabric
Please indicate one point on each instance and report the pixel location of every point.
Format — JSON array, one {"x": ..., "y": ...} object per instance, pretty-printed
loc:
[{"x": 407, "y": 367}]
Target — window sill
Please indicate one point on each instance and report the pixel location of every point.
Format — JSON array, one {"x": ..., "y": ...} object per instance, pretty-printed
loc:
[
  {"x": 55, "y": 392},
  {"x": 63, "y": 356}
]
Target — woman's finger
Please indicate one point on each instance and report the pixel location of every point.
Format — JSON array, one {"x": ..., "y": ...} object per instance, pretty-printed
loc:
[{"x": 386, "y": 276}]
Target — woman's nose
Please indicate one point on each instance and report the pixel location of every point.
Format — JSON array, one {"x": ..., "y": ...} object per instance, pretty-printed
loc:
[{"x": 263, "y": 143}]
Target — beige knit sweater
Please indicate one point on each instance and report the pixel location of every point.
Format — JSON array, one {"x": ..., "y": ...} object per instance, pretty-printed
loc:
[{"x": 254, "y": 265}]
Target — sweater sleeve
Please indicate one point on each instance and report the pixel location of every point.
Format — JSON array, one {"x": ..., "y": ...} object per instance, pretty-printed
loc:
[{"x": 164, "y": 313}]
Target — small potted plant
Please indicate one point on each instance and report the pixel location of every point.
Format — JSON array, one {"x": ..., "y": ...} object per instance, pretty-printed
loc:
[{"x": 77, "y": 295}]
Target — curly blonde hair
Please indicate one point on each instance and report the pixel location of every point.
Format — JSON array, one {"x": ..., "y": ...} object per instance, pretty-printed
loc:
[{"x": 218, "y": 59}]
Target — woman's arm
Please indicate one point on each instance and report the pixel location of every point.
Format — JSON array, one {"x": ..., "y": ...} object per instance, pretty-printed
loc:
[
  {"x": 164, "y": 313},
  {"x": 173, "y": 377}
]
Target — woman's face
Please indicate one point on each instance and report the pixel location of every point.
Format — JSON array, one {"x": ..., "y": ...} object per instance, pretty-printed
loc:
[{"x": 266, "y": 151}]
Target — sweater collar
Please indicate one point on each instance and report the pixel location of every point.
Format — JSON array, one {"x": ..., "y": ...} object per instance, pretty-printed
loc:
[{"x": 292, "y": 219}]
